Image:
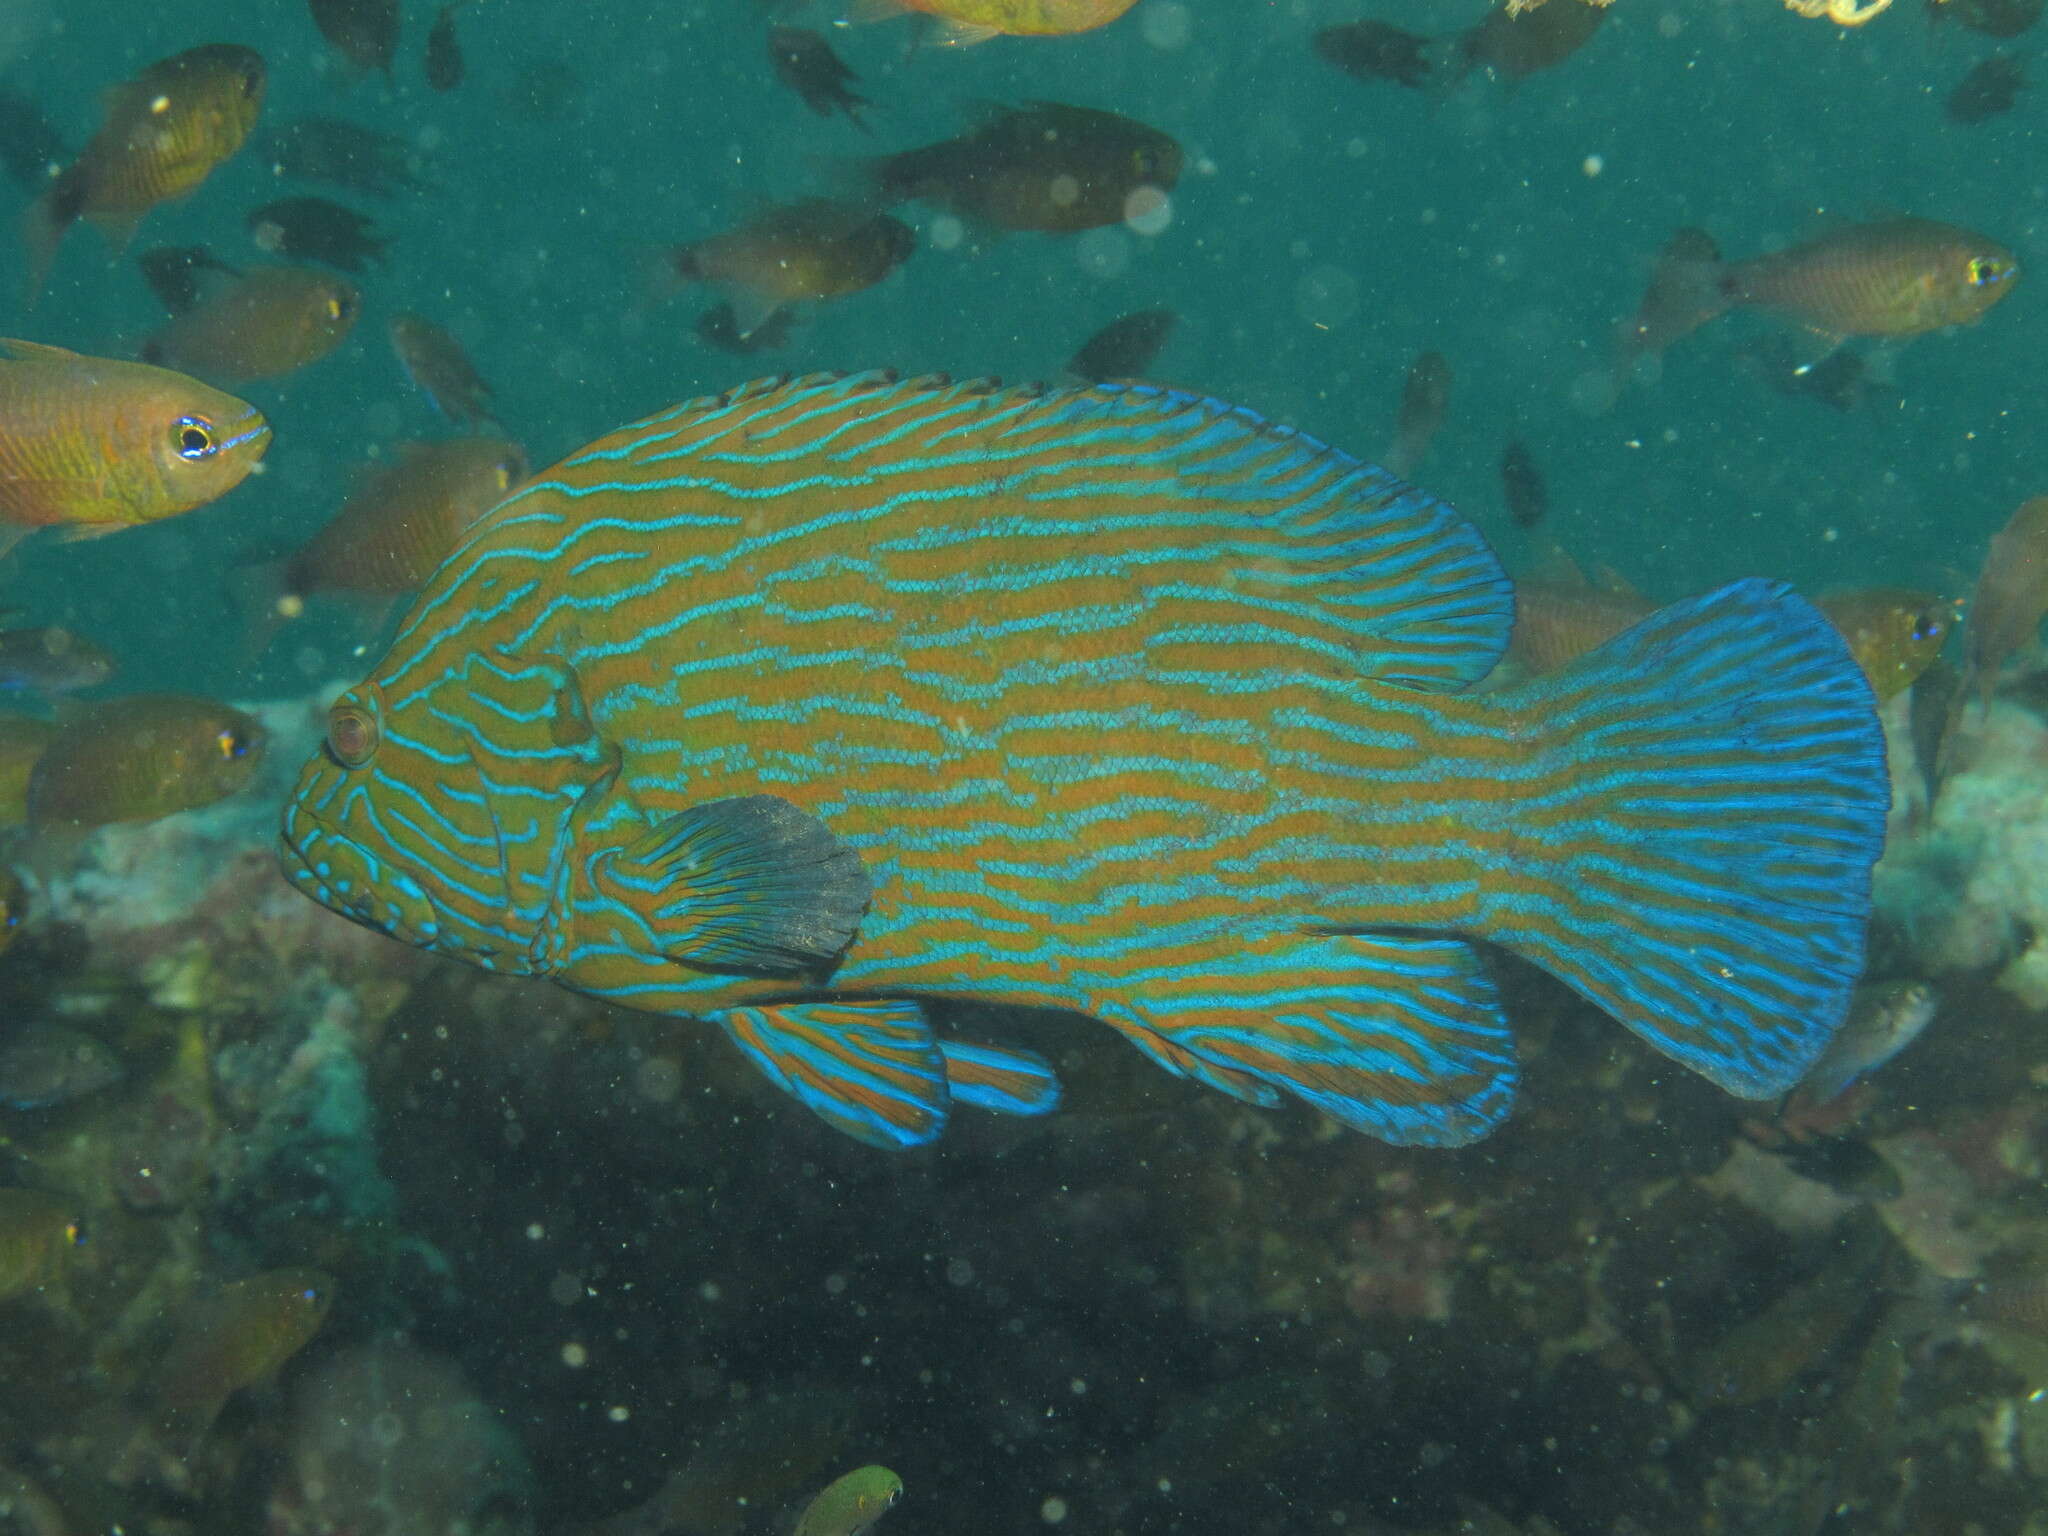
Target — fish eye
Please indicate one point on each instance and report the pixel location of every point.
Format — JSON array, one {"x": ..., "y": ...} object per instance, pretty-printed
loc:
[
  {"x": 74, "y": 1234},
  {"x": 1985, "y": 269},
  {"x": 351, "y": 735},
  {"x": 231, "y": 744},
  {"x": 1929, "y": 625},
  {"x": 196, "y": 438}
]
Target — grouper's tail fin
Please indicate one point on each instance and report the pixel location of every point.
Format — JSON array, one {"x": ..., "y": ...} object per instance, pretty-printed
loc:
[{"x": 1694, "y": 840}]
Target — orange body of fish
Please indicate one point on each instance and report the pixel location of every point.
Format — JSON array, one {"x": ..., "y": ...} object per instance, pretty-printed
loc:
[
  {"x": 1888, "y": 277},
  {"x": 1891, "y": 277},
  {"x": 808, "y": 250},
  {"x": 139, "y": 758},
  {"x": 94, "y": 444},
  {"x": 974, "y": 21},
  {"x": 1043, "y": 166},
  {"x": 391, "y": 534},
  {"x": 164, "y": 133},
  {"x": 267, "y": 322}
]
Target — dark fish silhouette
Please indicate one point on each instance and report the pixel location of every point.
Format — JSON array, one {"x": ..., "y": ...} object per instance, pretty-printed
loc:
[
  {"x": 1994, "y": 18},
  {"x": 1521, "y": 484},
  {"x": 1042, "y": 166},
  {"x": 365, "y": 32},
  {"x": 316, "y": 229},
  {"x": 719, "y": 327},
  {"x": 1124, "y": 348},
  {"x": 1373, "y": 50},
  {"x": 1990, "y": 88},
  {"x": 1425, "y": 401},
  {"x": 805, "y": 62},
  {"x": 333, "y": 149},
  {"x": 175, "y": 273},
  {"x": 443, "y": 60},
  {"x": 1516, "y": 46}
]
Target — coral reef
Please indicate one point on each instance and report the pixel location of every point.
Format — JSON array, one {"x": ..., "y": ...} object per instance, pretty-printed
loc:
[{"x": 589, "y": 1273}]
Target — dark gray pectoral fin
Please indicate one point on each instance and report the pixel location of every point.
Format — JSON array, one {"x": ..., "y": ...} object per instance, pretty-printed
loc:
[{"x": 753, "y": 885}]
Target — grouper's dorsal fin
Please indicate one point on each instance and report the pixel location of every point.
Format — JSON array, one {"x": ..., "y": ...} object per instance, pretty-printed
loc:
[{"x": 1406, "y": 588}]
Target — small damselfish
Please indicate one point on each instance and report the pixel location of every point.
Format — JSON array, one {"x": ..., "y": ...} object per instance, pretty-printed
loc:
[{"x": 800, "y": 706}]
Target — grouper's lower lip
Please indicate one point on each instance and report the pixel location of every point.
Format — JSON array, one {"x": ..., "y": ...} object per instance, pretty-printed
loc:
[{"x": 340, "y": 876}]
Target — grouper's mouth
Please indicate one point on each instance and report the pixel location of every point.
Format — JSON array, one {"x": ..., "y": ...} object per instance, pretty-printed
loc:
[{"x": 341, "y": 874}]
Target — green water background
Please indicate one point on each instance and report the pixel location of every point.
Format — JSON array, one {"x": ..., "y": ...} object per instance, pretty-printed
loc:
[{"x": 1324, "y": 233}]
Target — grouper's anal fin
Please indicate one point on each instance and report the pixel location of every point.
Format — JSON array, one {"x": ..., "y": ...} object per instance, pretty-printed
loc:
[{"x": 1400, "y": 1036}]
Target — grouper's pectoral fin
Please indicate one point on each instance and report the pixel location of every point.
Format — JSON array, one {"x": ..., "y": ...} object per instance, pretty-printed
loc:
[
  {"x": 870, "y": 1067},
  {"x": 1400, "y": 1036},
  {"x": 752, "y": 885}
]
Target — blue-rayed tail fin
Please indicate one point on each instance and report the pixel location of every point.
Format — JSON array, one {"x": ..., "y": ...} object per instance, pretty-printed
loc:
[{"x": 1693, "y": 840}]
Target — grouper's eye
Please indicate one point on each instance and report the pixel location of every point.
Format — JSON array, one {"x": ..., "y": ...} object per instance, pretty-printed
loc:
[{"x": 351, "y": 735}]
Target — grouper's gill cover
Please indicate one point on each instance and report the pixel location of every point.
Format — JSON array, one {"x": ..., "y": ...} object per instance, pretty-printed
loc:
[{"x": 796, "y": 706}]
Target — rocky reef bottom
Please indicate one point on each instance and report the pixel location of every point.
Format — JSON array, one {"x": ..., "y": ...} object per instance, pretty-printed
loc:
[{"x": 352, "y": 1242}]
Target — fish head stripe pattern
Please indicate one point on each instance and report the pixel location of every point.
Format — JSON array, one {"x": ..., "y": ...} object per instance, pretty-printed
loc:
[{"x": 447, "y": 822}]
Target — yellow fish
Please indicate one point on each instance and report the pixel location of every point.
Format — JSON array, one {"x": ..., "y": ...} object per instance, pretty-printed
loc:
[
  {"x": 975, "y": 21},
  {"x": 94, "y": 445},
  {"x": 850, "y": 1504},
  {"x": 141, "y": 758},
  {"x": 164, "y": 132},
  {"x": 1889, "y": 277},
  {"x": 268, "y": 321},
  {"x": 404, "y": 519},
  {"x": 236, "y": 1338},
  {"x": 813, "y": 250},
  {"x": 36, "y": 1232}
]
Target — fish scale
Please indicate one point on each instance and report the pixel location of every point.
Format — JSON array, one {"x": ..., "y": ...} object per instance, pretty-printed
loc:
[{"x": 791, "y": 706}]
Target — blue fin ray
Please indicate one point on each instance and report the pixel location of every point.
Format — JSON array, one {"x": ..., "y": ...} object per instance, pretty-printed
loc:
[
  {"x": 1397, "y": 1035},
  {"x": 752, "y": 884},
  {"x": 868, "y": 1068},
  {"x": 1703, "y": 873},
  {"x": 1002, "y": 1079}
]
